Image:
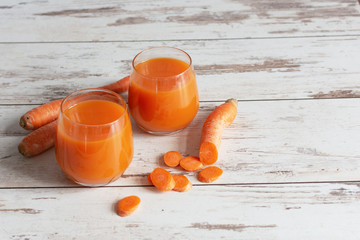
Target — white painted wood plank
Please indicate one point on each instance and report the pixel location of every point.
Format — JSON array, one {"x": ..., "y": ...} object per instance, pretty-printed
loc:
[
  {"x": 285, "y": 211},
  {"x": 249, "y": 69},
  {"x": 269, "y": 142},
  {"x": 69, "y": 20}
]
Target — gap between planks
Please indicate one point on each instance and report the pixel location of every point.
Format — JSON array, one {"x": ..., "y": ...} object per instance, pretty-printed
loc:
[
  {"x": 223, "y": 100},
  {"x": 187, "y": 39},
  {"x": 356, "y": 182}
]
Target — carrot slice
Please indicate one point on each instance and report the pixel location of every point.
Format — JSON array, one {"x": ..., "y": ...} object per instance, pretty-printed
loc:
[
  {"x": 172, "y": 158},
  {"x": 128, "y": 205},
  {"x": 212, "y": 130},
  {"x": 149, "y": 179},
  {"x": 162, "y": 179},
  {"x": 39, "y": 140},
  {"x": 182, "y": 183},
  {"x": 210, "y": 174},
  {"x": 49, "y": 112},
  {"x": 191, "y": 164}
]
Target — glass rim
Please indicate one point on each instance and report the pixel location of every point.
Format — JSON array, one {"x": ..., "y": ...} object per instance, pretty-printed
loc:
[
  {"x": 159, "y": 47},
  {"x": 93, "y": 90}
]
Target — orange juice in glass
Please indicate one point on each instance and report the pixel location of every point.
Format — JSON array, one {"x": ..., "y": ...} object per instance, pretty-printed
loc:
[
  {"x": 94, "y": 143},
  {"x": 163, "y": 94}
]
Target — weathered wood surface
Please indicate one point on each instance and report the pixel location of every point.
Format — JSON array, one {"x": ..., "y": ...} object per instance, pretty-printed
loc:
[
  {"x": 291, "y": 211},
  {"x": 290, "y": 159},
  {"x": 250, "y": 69},
  {"x": 70, "y": 20},
  {"x": 269, "y": 142}
]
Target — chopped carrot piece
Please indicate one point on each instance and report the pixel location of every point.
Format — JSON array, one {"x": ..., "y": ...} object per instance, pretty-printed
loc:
[
  {"x": 182, "y": 183},
  {"x": 39, "y": 140},
  {"x": 172, "y": 158},
  {"x": 162, "y": 179},
  {"x": 128, "y": 205},
  {"x": 49, "y": 112},
  {"x": 212, "y": 130},
  {"x": 210, "y": 174},
  {"x": 191, "y": 164},
  {"x": 149, "y": 179}
]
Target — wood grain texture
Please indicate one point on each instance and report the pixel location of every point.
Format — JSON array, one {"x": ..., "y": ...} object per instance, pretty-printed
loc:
[
  {"x": 290, "y": 159},
  {"x": 53, "y": 21},
  {"x": 291, "y": 211},
  {"x": 250, "y": 69},
  {"x": 269, "y": 142}
]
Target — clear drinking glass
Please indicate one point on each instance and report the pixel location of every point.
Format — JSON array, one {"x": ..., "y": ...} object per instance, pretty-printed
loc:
[
  {"x": 94, "y": 143},
  {"x": 163, "y": 94}
]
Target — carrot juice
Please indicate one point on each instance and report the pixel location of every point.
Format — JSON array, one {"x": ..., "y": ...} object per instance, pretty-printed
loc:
[
  {"x": 163, "y": 95},
  {"x": 94, "y": 143}
]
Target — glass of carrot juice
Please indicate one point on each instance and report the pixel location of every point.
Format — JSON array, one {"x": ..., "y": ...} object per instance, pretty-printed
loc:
[
  {"x": 163, "y": 94},
  {"x": 94, "y": 143}
]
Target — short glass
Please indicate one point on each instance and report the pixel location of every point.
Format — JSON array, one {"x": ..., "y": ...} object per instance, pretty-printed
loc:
[
  {"x": 163, "y": 94},
  {"x": 94, "y": 143}
]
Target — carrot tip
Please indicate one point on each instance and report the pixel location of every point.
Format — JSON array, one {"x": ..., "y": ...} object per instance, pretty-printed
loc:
[
  {"x": 22, "y": 123},
  {"x": 233, "y": 101},
  {"x": 21, "y": 149}
]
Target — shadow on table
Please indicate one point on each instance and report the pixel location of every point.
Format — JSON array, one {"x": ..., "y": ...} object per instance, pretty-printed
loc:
[{"x": 39, "y": 171}]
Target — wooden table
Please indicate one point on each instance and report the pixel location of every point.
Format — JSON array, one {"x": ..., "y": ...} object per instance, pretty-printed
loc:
[{"x": 291, "y": 159}]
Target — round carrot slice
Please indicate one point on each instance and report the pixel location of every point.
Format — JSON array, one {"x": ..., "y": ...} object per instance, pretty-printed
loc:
[
  {"x": 172, "y": 158},
  {"x": 128, "y": 205},
  {"x": 210, "y": 174},
  {"x": 191, "y": 164},
  {"x": 149, "y": 179},
  {"x": 182, "y": 183},
  {"x": 162, "y": 179}
]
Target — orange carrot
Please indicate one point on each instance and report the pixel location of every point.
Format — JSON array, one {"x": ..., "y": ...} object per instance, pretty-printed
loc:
[
  {"x": 128, "y": 205},
  {"x": 162, "y": 179},
  {"x": 39, "y": 140},
  {"x": 172, "y": 158},
  {"x": 119, "y": 86},
  {"x": 182, "y": 183},
  {"x": 41, "y": 115},
  {"x": 49, "y": 112},
  {"x": 212, "y": 130},
  {"x": 191, "y": 164},
  {"x": 209, "y": 174},
  {"x": 149, "y": 179}
]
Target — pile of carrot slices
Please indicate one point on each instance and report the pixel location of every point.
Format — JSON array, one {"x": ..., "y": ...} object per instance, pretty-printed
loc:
[{"x": 211, "y": 134}]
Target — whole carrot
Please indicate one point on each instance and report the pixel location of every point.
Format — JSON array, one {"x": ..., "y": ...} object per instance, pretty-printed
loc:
[
  {"x": 38, "y": 140},
  {"x": 212, "y": 130},
  {"x": 49, "y": 112}
]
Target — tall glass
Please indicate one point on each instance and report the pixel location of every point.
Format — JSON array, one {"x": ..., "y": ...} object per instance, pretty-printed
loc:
[
  {"x": 163, "y": 94},
  {"x": 94, "y": 143}
]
